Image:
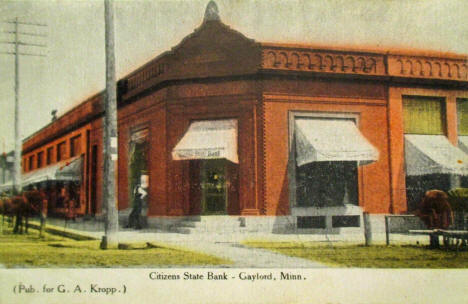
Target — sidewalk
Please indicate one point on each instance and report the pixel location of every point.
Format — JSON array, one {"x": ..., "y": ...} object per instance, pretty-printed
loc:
[{"x": 228, "y": 246}]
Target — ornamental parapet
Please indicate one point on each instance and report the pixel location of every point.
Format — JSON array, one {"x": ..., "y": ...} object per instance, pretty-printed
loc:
[
  {"x": 427, "y": 67},
  {"x": 323, "y": 61},
  {"x": 364, "y": 63}
]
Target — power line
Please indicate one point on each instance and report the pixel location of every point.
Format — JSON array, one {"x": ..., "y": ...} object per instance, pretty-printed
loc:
[
  {"x": 17, "y": 53},
  {"x": 25, "y": 23},
  {"x": 23, "y": 54},
  {"x": 25, "y": 33},
  {"x": 23, "y": 43}
]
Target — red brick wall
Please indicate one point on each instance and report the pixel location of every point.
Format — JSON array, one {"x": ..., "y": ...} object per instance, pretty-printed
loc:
[{"x": 369, "y": 104}]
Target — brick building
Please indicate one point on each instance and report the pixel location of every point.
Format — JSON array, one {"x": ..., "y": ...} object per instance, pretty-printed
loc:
[{"x": 280, "y": 137}]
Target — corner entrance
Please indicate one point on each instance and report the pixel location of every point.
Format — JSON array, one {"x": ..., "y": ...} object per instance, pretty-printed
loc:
[
  {"x": 214, "y": 194},
  {"x": 211, "y": 148}
]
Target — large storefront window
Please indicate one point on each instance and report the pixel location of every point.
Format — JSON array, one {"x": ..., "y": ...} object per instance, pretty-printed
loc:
[
  {"x": 327, "y": 153},
  {"x": 321, "y": 184},
  {"x": 138, "y": 159}
]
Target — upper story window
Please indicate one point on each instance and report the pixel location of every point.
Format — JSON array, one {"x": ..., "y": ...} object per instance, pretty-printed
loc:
[
  {"x": 49, "y": 155},
  {"x": 61, "y": 151},
  {"x": 40, "y": 159},
  {"x": 31, "y": 162},
  {"x": 462, "y": 114},
  {"x": 75, "y": 145},
  {"x": 424, "y": 115}
]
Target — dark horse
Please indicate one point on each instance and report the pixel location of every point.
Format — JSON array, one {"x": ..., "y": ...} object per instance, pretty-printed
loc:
[
  {"x": 435, "y": 211},
  {"x": 23, "y": 206},
  {"x": 5, "y": 208}
]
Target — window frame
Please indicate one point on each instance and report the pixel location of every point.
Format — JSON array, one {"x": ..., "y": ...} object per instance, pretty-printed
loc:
[
  {"x": 40, "y": 159},
  {"x": 59, "y": 156},
  {"x": 49, "y": 155},
  {"x": 459, "y": 101},
  {"x": 291, "y": 167},
  {"x": 75, "y": 145},
  {"x": 443, "y": 112}
]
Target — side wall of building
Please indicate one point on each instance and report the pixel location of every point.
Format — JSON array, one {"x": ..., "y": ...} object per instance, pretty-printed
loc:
[{"x": 80, "y": 137}]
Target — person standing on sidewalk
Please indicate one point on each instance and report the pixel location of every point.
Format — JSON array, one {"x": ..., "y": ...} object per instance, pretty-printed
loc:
[{"x": 140, "y": 196}]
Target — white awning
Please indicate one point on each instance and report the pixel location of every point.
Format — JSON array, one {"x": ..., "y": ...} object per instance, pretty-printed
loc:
[
  {"x": 433, "y": 154},
  {"x": 463, "y": 143},
  {"x": 208, "y": 139},
  {"x": 323, "y": 139},
  {"x": 64, "y": 171}
]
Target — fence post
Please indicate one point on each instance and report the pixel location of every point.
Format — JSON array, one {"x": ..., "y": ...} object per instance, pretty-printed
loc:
[
  {"x": 367, "y": 228},
  {"x": 387, "y": 231}
]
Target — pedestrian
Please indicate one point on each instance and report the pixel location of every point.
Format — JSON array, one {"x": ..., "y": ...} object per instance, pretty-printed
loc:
[{"x": 140, "y": 195}]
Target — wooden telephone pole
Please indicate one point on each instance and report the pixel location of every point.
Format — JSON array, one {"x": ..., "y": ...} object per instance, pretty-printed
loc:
[
  {"x": 110, "y": 240},
  {"x": 17, "y": 42}
]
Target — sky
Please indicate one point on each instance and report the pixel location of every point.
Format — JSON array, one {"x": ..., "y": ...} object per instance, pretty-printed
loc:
[{"x": 74, "y": 68}]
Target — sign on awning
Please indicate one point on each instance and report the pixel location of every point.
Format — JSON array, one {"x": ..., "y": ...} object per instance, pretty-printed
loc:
[
  {"x": 433, "y": 154},
  {"x": 208, "y": 139},
  {"x": 463, "y": 143},
  {"x": 64, "y": 171},
  {"x": 324, "y": 139}
]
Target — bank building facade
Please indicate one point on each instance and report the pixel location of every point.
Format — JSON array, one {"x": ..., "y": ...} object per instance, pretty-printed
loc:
[{"x": 233, "y": 134}]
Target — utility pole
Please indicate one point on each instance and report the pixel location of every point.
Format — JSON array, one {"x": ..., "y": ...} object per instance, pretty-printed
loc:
[
  {"x": 17, "y": 42},
  {"x": 110, "y": 240}
]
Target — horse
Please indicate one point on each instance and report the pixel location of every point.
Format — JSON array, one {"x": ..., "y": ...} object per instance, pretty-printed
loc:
[
  {"x": 20, "y": 209},
  {"x": 435, "y": 211},
  {"x": 37, "y": 204},
  {"x": 6, "y": 209}
]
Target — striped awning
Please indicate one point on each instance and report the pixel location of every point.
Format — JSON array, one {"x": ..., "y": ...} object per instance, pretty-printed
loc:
[
  {"x": 63, "y": 171},
  {"x": 208, "y": 139},
  {"x": 325, "y": 139},
  {"x": 433, "y": 154}
]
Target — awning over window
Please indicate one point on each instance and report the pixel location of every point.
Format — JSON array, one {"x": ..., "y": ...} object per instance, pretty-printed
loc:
[
  {"x": 64, "y": 171},
  {"x": 209, "y": 139},
  {"x": 325, "y": 139},
  {"x": 433, "y": 154},
  {"x": 463, "y": 143}
]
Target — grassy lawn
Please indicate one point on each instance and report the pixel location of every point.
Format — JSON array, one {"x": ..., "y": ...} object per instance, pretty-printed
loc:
[
  {"x": 30, "y": 250},
  {"x": 378, "y": 256}
]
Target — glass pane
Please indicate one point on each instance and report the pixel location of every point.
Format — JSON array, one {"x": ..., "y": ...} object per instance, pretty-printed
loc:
[
  {"x": 214, "y": 186},
  {"x": 322, "y": 184},
  {"x": 423, "y": 115},
  {"x": 462, "y": 113}
]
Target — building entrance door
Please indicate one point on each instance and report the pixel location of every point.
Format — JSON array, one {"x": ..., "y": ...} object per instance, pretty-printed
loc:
[{"x": 213, "y": 187}]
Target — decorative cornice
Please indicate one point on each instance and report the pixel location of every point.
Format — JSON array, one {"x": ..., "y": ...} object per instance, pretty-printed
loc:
[
  {"x": 323, "y": 61},
  {"x": 335, "y": 61},
  {"x": 427, "y": 67}
]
